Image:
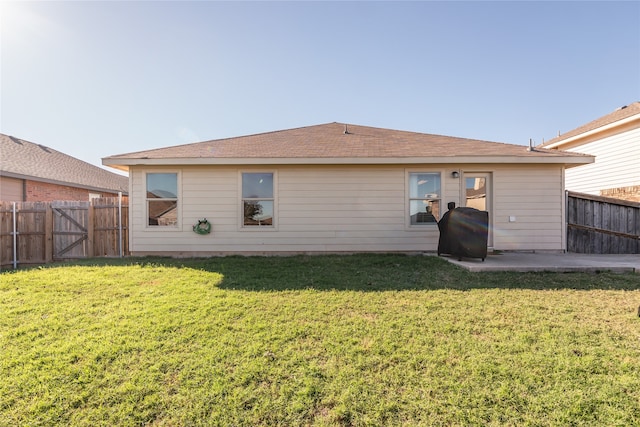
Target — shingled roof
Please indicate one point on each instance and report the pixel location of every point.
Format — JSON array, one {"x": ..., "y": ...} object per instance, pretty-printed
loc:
[
  {"x": 342, "y": 144},
  {"x": 26, "y": 160},
  {"x": 619, "y": 115}
]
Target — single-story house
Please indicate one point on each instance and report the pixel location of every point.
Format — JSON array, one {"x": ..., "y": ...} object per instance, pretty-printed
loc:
[
  {"x": 34, "y": 173},
  {"x": 614, "y": 140},
  {"x": 339, "y": 188}
]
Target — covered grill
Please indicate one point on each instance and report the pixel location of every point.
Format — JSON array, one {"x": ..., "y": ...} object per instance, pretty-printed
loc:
[{"x": 464, "y": 233}]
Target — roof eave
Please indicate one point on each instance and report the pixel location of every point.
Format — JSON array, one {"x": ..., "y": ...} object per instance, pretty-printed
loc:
[
  {"x": 117, "y": 166},
  {"x": 64, "y": 183},
  {"x": 579, "y": 136},
  {"x": 124, "y": 163}
]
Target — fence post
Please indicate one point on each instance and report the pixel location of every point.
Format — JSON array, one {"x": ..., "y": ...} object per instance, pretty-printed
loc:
[
  {"x": 15, "y": 238},
  {"x": 48, "y": 233},
  {"x": 565, "y": 221},
  {"x": 90, "y": 229},
  {"x": 120, "y": 245}
]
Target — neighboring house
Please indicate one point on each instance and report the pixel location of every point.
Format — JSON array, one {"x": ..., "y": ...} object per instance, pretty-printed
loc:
[
  {"x": 34, "y": 173},
  {"x": 340, "y": 188},
  {"x": 614, "y": 140}
]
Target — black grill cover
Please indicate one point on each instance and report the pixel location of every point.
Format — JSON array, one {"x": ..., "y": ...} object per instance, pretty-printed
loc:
[{"x": 464, "y": 233}]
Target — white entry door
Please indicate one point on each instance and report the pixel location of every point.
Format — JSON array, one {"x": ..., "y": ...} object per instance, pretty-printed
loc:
[{"x": 477, "y": 194}]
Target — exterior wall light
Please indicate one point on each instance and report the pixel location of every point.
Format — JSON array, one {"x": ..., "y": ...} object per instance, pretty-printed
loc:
[{"x": 455, "y": 174}]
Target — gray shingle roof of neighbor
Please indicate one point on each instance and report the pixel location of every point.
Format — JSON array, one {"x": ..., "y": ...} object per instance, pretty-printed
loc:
[
  {"x": 337, "y": 141},
  {"x": 615, "y": 116},
  {"x": 26, "y": 160}
]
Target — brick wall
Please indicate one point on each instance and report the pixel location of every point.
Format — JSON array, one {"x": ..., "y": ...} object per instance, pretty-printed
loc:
[
  {"x": 45, "y": 192},
  {"x": 631, "y": 194}
]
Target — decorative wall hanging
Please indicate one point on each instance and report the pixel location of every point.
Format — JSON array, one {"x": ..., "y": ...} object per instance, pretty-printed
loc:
[{"x": 202, "y": 227}]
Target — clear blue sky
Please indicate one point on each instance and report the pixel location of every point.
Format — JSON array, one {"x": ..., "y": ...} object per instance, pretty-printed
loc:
[{"x": 93, "y": 79}]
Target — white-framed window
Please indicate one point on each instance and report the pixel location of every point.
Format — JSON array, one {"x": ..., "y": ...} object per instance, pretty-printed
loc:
[
  {"x": 424, "y": 196},
  {"x": 161, "y": 199},
  {"x": 258, "y": 199}
]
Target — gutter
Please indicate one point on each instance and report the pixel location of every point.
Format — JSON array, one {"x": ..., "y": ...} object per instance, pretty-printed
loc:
[{"x": 228, "y": 161}]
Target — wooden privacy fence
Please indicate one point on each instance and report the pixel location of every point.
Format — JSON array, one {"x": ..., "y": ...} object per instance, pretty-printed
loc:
[
  {"x": 602, "y": 225},
  {"x": 42, "y": 232}
]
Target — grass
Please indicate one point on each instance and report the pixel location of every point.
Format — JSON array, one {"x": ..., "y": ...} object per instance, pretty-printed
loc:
[{"x": 323, "y": 341}]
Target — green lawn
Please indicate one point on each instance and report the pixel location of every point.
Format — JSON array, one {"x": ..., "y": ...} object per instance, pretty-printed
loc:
[{"x": 327, "y": 340}]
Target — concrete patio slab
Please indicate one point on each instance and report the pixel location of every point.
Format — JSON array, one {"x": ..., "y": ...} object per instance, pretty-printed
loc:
[{"x": 554, "y": 262}]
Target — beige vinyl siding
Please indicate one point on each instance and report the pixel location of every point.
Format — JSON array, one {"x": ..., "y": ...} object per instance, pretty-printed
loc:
[
  {"x": 534, "y": 196},
  {"x": 615, "y": 166},
  {"x": 360, "y": 208},
  {"x": 355, "y": 208}
]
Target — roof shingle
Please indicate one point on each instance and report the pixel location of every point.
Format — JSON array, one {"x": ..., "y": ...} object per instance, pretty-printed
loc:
[
  {"x": 24, "y": 159},
  {"x": 615, "y": 116},
  {"x": 338, "y": 141}
]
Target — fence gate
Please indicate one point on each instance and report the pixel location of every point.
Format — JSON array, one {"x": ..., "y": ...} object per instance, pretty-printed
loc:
[{"x": 70, "y": 230}]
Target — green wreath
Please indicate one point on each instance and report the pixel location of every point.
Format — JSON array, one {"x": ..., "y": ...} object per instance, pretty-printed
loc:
[{"x": 203, "y": 227}]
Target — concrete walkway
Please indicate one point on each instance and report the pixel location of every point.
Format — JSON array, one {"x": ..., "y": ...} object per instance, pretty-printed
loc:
[{"x": 556, "y": 262}]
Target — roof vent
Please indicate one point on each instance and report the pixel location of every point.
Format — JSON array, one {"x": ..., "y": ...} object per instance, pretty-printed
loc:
[
  {"x": 16, "y": 140},
  {"x": 621, "y": 108},
  {"x": 346, "y": 129}
]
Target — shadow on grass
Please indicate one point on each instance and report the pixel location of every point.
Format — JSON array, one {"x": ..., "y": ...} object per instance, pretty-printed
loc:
[{"x": 368, "y": 273}]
